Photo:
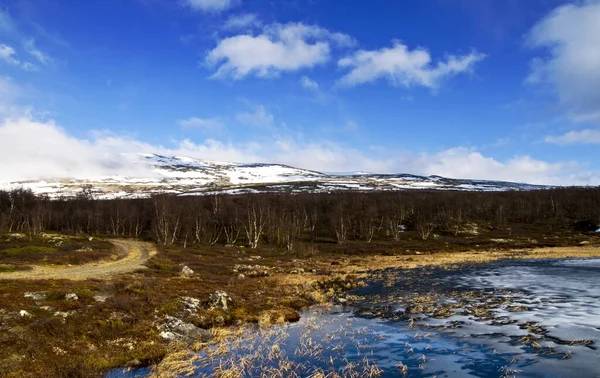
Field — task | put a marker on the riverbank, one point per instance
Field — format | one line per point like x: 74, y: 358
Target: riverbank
x: 500, y: 318
x: 332, y: 289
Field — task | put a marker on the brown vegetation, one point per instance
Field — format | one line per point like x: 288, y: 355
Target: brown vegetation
x: 19, y: 251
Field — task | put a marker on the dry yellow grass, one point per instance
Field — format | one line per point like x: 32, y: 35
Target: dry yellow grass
x: 178, y: 361
x: 371, y: 263
x: 360, y: 266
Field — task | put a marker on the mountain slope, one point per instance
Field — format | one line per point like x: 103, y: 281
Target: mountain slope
x: 187, y: 176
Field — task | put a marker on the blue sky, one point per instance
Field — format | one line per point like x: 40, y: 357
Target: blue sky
x: 493, y: 89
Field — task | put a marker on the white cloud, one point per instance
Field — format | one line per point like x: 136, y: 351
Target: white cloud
x: 259, y: 117
x: 308, y: 83
x: 587, y: 136
x: 403, y: 67
x: 213, y: 124
x: 464, y: 162
x: 211, y: 6
x: 55, y: 153
x: 10, y: 56
x: 571, y: 35
x: 278, y: 48
x: 32, y: 50
x: 12, y: 33
x: 242, y: 22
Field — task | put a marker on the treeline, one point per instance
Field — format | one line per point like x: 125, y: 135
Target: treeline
x: 284, y: 219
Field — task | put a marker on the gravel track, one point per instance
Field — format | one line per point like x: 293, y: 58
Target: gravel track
x: 132, y: 256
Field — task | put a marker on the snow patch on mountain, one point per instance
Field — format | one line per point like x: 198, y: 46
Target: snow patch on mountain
x: 188, y: 176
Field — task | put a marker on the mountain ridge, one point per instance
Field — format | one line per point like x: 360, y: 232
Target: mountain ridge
x: 188, y: 176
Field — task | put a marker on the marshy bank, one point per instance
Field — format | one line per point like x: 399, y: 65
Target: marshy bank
x: 535, y: 317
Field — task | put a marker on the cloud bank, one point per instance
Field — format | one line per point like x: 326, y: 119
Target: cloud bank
x: 54, y: 153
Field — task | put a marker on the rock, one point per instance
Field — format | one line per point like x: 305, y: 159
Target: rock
x: 258, y: 273
x: 71, y: 297
x: 176, y: 329
x: 90, y: 238
x: 297, y: 271
x: 38, y: 296
x: 168, y: 336
x: 59, y: 351
x: 220, y: 300
x: 186, y: 271
x: 62, y: 314
x: 342, y: 300
x: 100, y: 298
x: 241, y: 276
x: 47, y: 308
x: 25, y: 314
x: 190, y: 304
x: 244, y: 267
x: 85, y: 249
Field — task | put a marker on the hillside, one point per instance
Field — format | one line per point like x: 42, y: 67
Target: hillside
x: 187, y: 176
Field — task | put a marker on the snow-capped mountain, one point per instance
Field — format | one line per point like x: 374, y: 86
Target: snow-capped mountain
x: 187, y: 176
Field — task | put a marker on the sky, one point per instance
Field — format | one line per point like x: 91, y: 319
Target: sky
x: 483, y: 89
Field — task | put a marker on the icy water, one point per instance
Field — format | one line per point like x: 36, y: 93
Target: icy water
x: 512, y: 318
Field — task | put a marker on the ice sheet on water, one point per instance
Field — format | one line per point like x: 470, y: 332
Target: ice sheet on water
x: 590, y: 263
x: 563, y: 297
x: 564, y: 291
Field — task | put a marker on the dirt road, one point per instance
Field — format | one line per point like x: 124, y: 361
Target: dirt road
x: 132, y: 255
